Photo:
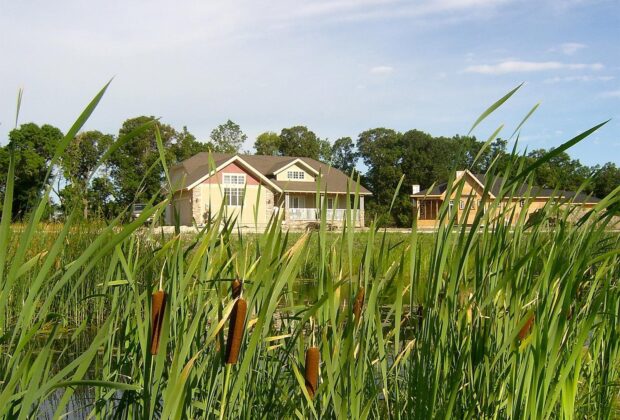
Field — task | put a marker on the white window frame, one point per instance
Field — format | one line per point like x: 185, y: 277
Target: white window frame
x: 295, y: 175
x: 234, y: 196
x: 330, y: 203
x: 521, y: 203
x: 233, y: 179
x: 297, y: 202
x: 461, y: 205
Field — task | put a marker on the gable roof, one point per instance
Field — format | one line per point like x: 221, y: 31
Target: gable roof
x: 198, y: 167
x: 521, y: 191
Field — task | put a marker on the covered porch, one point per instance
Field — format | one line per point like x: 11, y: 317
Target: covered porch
x: 428, y: 211
x: 303, y: 208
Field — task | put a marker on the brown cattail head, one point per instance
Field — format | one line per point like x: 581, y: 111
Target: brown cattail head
x: 236, y: 288
x: 236, y: 327
x: 158, y: 308
x: 525, y: 330
x: 358, y: 304
x: 312, y: 370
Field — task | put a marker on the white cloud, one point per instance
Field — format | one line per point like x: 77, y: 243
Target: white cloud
x: 382, y: 70
x: 570, y: 48
x: 582, y: 78
x: 505, y: 67
x: 611, y: 94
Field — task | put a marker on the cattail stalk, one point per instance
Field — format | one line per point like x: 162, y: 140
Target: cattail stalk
x: 312, y: 370
x: 158, y: 309
x: 358, y: 304
x: 236, y: 328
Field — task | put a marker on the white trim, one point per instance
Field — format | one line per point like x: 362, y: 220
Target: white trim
x: 466, y: 171
x: 247, y: 166
x: 298, y: 160
x: 328, y: 192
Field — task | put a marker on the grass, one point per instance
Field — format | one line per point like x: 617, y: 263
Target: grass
x: 495, y: 322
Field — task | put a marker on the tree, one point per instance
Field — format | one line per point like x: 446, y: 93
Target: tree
x: 344, y: 156
x: 560, y: 172
x: 134, y: 168
x: 32, y: 148
x: 267, y: 143
x: 426, y: 159
x: 606, y: 179
x: 101, y: 197
x: 79, y: 163
x: 227, y: 138
x: 301, y: 142
x: 381, y: 152
x: 187, y: 146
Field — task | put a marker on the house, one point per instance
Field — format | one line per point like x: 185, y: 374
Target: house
x: 428, y: 202
x: 252, y: 188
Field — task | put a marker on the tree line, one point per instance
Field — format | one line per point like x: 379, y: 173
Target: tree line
x: 132, y: 173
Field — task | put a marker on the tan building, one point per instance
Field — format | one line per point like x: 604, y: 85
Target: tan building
x: 253, y: 188
x: 427, y: 203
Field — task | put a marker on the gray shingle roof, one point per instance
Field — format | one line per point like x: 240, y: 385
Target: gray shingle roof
x: 331, y: 180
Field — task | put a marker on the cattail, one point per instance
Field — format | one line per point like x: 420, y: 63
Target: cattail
x: 236, y: 288
x: 158, y: 308
x: 358, y: 304
x: 525, y: 330
x: 236, y: 327
x: 312, y: 370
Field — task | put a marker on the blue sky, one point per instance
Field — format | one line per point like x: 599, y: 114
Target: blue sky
x: 338, y: 66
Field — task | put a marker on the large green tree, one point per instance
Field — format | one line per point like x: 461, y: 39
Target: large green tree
x: 344, y: 156
x: 137, y: 174
x: 561, y: 171
x: 78, y: 163
x: 381, y: 152
x: 186, y: 146
x: 227, y: 138
x: 32, y: 147
x: 301, y: 142
x: 606, y: 179
x: 267, y: 143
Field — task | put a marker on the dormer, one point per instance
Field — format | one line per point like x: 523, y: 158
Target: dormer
x: 296, y: 171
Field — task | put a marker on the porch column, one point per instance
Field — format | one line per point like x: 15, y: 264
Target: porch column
x: 362, y: 211
x: 286, y: 204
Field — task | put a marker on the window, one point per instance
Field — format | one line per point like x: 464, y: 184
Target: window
x: 233, y: 196
x: 295, y: 175
x: 461, y: 204
x: 450, y: 206
x: 234, y: 179
x: 521, y: 203
x: 297, y: 202
x: 330, y: 203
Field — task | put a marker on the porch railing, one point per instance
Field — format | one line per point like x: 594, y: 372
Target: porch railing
x: 314, y: 214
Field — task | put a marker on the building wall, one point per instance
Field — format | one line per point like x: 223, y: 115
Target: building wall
x: 472, y: 191
x: 514, y: 204
x: 255, y: 200
x: 181, y: 204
